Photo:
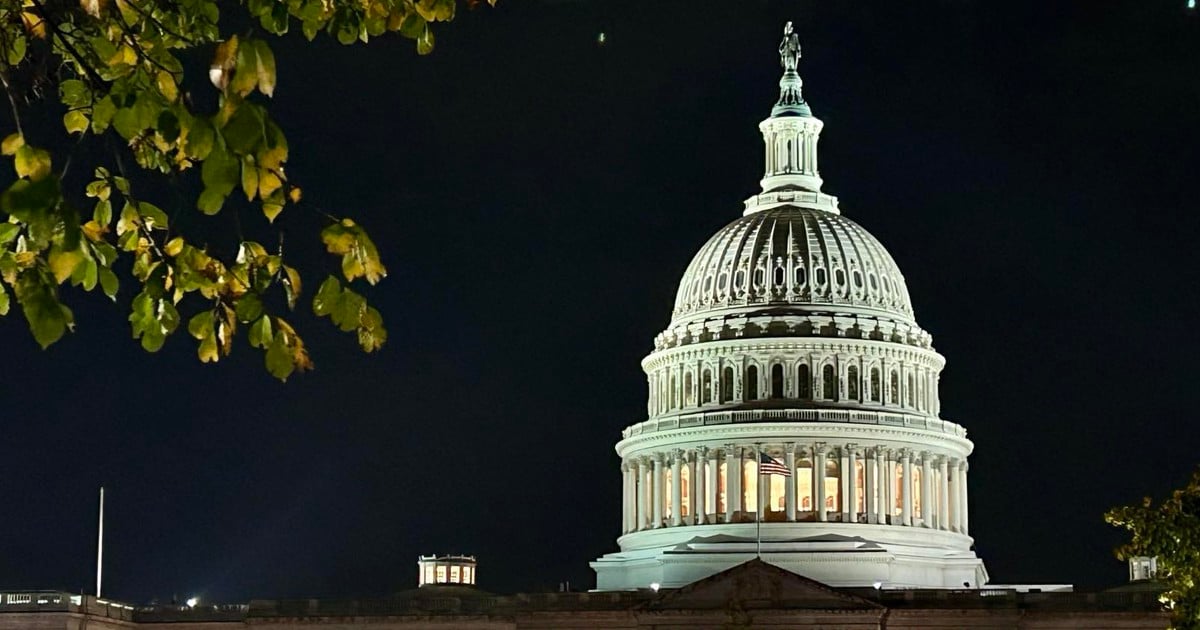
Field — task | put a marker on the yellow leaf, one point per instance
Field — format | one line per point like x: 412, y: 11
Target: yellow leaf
x: 250, y: 178
x: 32, y: 163
x: 93, y: 7
x: 124, y: 55
x: 62, y: 263
x: 34, y: 24
x: 173, y: 246
x: 294, y: 194
x: 268, y: 182
x: 166, y: 85
x: 94, y: 231
x: 272, y: 209
x: 11, y: 143
x: 223, y: 62
x: 75, y: 121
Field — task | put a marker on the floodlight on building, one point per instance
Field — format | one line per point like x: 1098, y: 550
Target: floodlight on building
x: 878, y: 585
x: 192, y: 601
x: 654, y: 586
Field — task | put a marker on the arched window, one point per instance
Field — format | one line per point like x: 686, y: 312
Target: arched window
x: 674, y: 399
x: 852, y: 382
x: 898, y: 481
x: 803, y: 479
x: 828, y: 382
x: 752, y: 382
x: 875, y: 387
x: 706, y: 387
x: 689, y: 395
x: 727, y: 384
x: 895, y: 393
x: 804, y: 382
x: 776, y: 381
x: 912, y: 385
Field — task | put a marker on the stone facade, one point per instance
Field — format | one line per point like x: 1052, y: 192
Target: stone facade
x: 754, y: 594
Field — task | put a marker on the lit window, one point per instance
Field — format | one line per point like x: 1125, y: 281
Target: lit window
x: 454, y: 575
x: 441, y: 574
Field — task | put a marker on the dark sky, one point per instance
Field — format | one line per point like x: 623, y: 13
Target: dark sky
x: 1030, y: 165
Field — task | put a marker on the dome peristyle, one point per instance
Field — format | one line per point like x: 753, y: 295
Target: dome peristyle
x: 794, y: 257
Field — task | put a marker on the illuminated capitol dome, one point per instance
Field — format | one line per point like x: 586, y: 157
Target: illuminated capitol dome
x: 793, y: 344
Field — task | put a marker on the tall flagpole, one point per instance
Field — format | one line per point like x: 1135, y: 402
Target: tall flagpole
x: 758, y: 508
x: 100, y: 545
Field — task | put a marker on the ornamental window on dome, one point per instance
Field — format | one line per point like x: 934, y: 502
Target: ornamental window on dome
x: 727, y: 384
x: 804, y: 381
x: 852, y: 382
x: 777, y: 381
x: 894, y: 397
x: 689, y: 394
x: 706, y: 387
x: 751, y: 383
x: 829, y: 384
x: 912, y: 385
x: 875, y: 388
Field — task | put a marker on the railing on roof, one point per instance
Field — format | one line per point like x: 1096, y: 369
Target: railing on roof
x: 842, y: 416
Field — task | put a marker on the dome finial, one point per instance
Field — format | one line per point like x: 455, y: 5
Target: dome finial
x: 791, y: 103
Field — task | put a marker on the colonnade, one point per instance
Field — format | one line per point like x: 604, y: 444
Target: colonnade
x: 830, y: 483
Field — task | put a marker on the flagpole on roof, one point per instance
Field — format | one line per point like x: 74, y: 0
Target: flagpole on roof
x: 758, y: 506
x: 100, y: 544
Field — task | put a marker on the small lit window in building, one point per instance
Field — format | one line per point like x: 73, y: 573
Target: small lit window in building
x: 777, y: 502
x: 898, y: 480
x: 860, y: 495
x: 455, y: 575
x: 668, y: 492
x: 685, y: 482
x: 916, y: 493
x: 750, y: 485
x: 440, y: 575
x: 833, y: 486
x: 804, y: 485
x: 722, y: 485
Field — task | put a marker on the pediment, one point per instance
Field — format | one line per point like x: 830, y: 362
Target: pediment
x: 758, y: 584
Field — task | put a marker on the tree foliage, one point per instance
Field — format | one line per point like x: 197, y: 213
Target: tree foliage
x: 1170, y: 531
x: 118, y: 72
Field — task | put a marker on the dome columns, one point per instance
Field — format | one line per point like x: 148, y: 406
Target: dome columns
x: 841, y: 483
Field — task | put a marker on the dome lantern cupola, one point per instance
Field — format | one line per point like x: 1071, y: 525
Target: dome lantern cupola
x: 790, y: 136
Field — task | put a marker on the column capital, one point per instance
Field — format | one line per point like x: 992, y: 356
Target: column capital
x: 701, y: 452
x: 790, y: 448
x: 905, y: 455
x: 658, y: 458
x: 820, y: 448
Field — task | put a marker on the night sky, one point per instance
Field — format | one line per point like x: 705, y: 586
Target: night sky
x: 1030, y: 165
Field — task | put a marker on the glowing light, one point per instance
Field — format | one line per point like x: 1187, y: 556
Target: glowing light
x: 192, y: 601
x: 1191, y: 4
x: 602, y: 38
x: 654, y: 586
x: 877, y: 585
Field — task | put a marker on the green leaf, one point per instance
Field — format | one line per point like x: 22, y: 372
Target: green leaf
x: 265, y: 67
x: 260, y: 332
x: 103, y: 113
x: 75, y: 121
x: 108, y: 282
x: 102, y: 214
x: 210, y: 201
x: 328, y: 296
x: 12, y: 142
x: 48, y: 319
x: 152, y: 216
x: 249, y: 308
x: 245, y: 75
x: 4, y: 301
x: 74, y: 93
x: 245, y: 130
x: 16, y: 51
x: 32, y: 162
x: 8, y: 233
x: 249, y: 178
x: 279, y: 359
x: 291, y: 285
x: 198, y: 141
x: 201, y: 325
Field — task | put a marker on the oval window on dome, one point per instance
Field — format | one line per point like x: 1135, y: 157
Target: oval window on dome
x: 801, y: 277
x: 839, y: 277
x: 707, y: 284
x: 887, y: 288
x: 723, y: 282
x: 778, y: 277
x: 874, y: 282
x: 857, y: 279
x: 821, y: 277
x: 760, y: 277
x: 739, y: 280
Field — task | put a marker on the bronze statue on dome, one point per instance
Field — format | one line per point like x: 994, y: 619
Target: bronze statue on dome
x: 789, y: 49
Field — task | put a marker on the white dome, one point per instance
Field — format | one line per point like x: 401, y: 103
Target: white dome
x: 790, y: 256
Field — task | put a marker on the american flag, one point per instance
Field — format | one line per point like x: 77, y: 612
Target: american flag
x: 768, y: 465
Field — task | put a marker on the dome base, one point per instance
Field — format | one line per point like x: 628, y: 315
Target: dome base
x: 840, y: 555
